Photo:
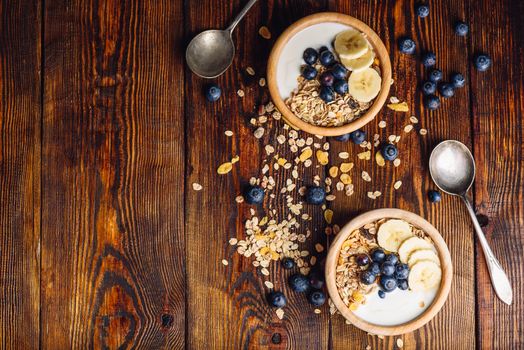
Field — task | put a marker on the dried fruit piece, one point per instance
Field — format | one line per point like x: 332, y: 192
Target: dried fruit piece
x: 322, y: 157
x: 399, y: 107
x: 306, y: 154
x: 281, y: 161
x: 225, y: 168
x: 346, y: 179
x: 328, y: 215
x: 346, y: 167
x: 197, y: 186
x: 364, y: 155
x: 333, y: 171
x: 380, y: 160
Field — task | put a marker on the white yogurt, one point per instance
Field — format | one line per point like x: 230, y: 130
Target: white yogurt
x: 399, y: 306
x: 290, y: 60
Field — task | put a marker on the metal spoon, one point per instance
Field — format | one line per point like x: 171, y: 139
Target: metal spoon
x: 453, y: 170
x: 211, y: 52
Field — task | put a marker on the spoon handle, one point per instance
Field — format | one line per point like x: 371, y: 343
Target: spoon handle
x: 499, y: 279
x: 241, y: 15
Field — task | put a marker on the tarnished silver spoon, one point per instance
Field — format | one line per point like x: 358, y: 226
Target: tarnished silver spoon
x: 452, y: 168
x: 211, y: 52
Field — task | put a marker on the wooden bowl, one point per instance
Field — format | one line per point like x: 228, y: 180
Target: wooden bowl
x: 328, y: 17
x: 445, y: 261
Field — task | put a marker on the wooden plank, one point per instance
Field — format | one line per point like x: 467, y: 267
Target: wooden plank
x: 112, y: 223
x: 391, y: 20
x: 497, y: 109
x: 20, y: 117
x: 232, y: 298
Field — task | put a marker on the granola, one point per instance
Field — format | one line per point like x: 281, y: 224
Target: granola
x: 308, y: 106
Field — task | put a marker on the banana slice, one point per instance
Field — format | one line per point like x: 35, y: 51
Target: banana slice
x: 423, y: 254
x: 361, y: 63
x: 364, y: 85
x: 351, y: 44
x: 424, y: 275
x: 392, y: 233
x: 410, y: 245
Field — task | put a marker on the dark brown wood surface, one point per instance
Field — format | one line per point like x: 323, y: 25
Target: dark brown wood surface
x: 103, y: 130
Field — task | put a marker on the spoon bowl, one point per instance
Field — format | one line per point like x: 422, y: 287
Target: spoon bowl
x: 452, y: 167
x: 210, y: 53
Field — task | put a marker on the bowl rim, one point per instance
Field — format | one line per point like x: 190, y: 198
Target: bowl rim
x: 445, y: 261
x: 374, y: 40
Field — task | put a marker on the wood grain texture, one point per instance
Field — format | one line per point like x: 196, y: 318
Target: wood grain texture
x: 103, y: 130
x: 20, y: 117
x: 112, y: 205
x: 391, y: 20
x: 497, y: 104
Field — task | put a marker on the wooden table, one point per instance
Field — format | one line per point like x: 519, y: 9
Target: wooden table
x: 103, y: 130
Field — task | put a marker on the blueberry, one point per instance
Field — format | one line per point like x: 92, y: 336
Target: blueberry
x: 362, y: 260
x: 299, y: 283
x: 213, y: 93
x: 446, y: 90
x: 315, y: 195
x: 276, y: 299
x: 358, y: 136
x: 458, y: 80
x: 387, y: 269
x: 381, y: 294
x: 339, y: 71
x: 288, y: 263
x: 434, y: 196
x: 378, y: 255
x: 482, y: 62
x: 326, y: 78
x: 327, y: 94
x: 407, y: 46
x: 402, y: 284
x: 389, y: 151
x: 401, y: 271
x: 388, y: 283
x: 309, y: 72
x: 429, y: 59
x: 374, y: 268
x: 326, y: 58
x: 340, y: 86
x: 391, y: 259
x: 316, y: 279
x: 254, y: 195
x: 367, y: 277
x: 429, y: 87
x: 431, y: 102
x: 310, y: 56
x: 343, y: 138
x: 461, y: 28
x: 435, y: 75
x: 422, y: 10
x: 322, y: 49
x: 317, y: 298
